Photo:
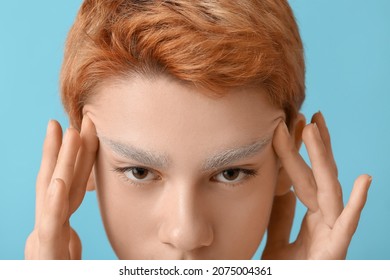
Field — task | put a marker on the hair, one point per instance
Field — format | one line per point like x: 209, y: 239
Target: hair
x: 218, y: 45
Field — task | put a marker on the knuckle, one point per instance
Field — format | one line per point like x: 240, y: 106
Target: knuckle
x: 65, y: 163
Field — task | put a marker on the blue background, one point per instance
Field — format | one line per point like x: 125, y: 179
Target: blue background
x: 348, y: 65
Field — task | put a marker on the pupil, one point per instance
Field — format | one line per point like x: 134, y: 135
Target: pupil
x: 231, y: 174
x: 140, y: 173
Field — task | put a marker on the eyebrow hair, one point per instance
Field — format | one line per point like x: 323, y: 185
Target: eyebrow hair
x: 226, y: 157
x: 216, y: 161
x: 144, y: 157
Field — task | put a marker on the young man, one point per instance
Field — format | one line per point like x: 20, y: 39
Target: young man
x: 189, y: 113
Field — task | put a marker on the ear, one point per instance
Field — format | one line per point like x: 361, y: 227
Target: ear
x: 91, y: 186
x: 295, y: 128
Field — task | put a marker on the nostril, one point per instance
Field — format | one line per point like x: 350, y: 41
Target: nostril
x: 186, y: 237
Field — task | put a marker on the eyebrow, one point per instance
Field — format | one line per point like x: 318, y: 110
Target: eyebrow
x: 229, y: 156
x: 145, y: 157
x: 161, y: 161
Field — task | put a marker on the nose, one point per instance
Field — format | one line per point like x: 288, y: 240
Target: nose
x: 185, y: 220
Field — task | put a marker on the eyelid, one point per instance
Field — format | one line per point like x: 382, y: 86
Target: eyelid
x: 122, y: 170
x: 248, y: 174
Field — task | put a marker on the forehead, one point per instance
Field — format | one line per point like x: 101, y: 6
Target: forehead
x: 160, y: 112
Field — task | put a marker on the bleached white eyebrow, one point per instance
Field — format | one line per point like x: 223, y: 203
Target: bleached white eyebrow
x: 145, y: 157
x: 161, y: 161
x: 232, y: 155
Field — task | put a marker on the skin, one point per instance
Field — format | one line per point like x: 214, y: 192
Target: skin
x: 179, y: 208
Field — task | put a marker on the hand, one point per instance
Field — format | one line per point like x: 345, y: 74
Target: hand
x: 60, y: 188
x: 328, y: 226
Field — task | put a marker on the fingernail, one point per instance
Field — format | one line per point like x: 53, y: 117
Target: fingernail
x: 285, y: 129
x: 316, y: 115
x: 316, y: 131
x: 84, y: 120
x: 321, y: 116
x: 66, y: 136
x: 49, y: 126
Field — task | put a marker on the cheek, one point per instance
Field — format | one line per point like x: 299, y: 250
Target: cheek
x: 125, y: 226
x: 246, y: 218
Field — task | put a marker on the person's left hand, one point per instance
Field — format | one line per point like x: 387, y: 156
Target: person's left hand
x: 328, y: 226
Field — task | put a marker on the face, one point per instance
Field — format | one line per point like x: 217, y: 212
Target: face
x: 182, y: 175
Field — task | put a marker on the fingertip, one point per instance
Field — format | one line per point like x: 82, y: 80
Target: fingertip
x: 86, y: 117
x: 88, y: 125
x: 72, y: 138
x: 72, y: 130
x: 52, y: 127
x: 360, y: 191
x: 321, y: 117
x: 51, y: 123
x: 282, y: 130
x: 88, y: 133
x: 367, y: 180
x: 364, y: 179
x: 85, y: 121
x: 349, y: 218
x: 315, y: 117
x: 311, y: 132
x: 52, y: 141
x: 318, y: 118
x: 281, y: 135
x: 306, y: 132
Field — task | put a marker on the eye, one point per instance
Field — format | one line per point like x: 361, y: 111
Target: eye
x: 234, y: 175
x: 137, y: 175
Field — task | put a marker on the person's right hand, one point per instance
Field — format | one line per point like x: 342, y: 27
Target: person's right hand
x: 60, y: 188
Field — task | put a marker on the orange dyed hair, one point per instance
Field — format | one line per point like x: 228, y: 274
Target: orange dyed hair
x: 213, y: 44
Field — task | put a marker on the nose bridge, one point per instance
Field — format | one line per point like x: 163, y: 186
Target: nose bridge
x: 185, y: 224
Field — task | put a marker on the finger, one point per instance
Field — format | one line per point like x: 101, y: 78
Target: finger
x: 329, y: 194
x: 51, y: 147
x: 283, y: 185
x: 347, y: 223
x: 281, y: 220
x: 67, y: 157
x: 51, y: 227
x: 74, y: 246
x: 85, y: 160
x: 299, y: 172
x: 319, y: 119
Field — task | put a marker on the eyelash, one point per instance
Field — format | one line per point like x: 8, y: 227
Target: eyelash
x: 122, y: 170
x: 247, y: 172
